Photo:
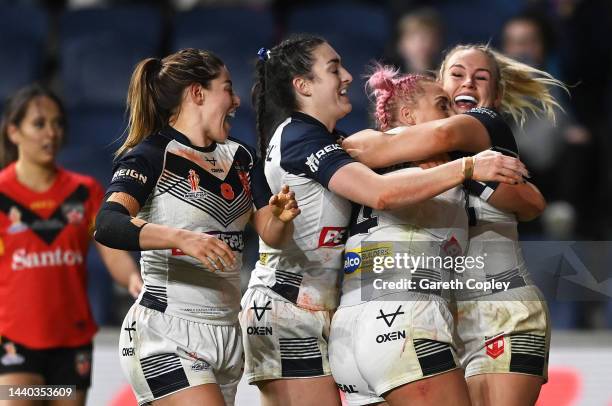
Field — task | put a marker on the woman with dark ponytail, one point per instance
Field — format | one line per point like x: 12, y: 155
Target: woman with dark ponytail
x: 300, y: 93
x: 182, y: 192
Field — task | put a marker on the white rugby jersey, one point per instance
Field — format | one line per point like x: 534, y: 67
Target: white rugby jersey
x: 493, y: 232
x: 211, y: 190
x: 434, y: 228
x: 303, y: 154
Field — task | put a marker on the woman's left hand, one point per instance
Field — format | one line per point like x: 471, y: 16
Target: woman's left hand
x: 283, y: 205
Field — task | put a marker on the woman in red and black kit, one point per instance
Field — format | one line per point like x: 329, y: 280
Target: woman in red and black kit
x: 46, y: 219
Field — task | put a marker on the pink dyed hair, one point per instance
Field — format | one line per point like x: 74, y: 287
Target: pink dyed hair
x: 385, y: 85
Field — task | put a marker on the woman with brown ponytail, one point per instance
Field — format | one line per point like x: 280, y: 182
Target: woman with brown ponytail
x: 182, y: 192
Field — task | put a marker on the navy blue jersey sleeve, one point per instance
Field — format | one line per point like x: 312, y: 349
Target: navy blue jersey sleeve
x: 259, y: 184
x: 137, y: 171
x: 313, y: 153
x: 499, y: 131
x: 502, y: 140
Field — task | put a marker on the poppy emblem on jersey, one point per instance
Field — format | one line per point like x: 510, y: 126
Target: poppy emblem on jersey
x: 495, y: 346
x: 11, y: 357
x: 227, y: 192
x: 73, y: 212
x: 83, y: 363
x: 194, y: 184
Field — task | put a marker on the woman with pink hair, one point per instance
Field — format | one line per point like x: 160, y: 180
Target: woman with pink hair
x: 391, y: 338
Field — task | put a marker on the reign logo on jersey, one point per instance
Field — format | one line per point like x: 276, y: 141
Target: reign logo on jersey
x: 24, y: 260
x: 130, y: 173
x: 313, y: 159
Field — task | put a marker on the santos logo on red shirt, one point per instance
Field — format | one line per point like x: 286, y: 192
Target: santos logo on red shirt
x: 24, y: 260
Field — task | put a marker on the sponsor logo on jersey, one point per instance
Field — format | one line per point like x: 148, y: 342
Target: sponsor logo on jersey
x: 314, y: 159
x: 42, y: 204
x: 261, y: 310
x: 130, y: 173
x: 194, y: 184
x: 73, y: 212
x: 259, y: 331
x: 235, y: 239
x: 393, y: 336
x: 332, y: 236
x: 11, y: 357
x: 495, y: 345
x: 352, y: 261
x: 390, y: 318
x: 362, y: 259
x: 347, y: 388
x: 263, y: 258
x: 130, y: 328
x: 26, y: 260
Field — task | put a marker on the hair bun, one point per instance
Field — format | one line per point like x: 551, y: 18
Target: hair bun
x: 382, y: 78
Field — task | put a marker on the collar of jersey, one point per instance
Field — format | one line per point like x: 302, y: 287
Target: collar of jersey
x: 173, y: 133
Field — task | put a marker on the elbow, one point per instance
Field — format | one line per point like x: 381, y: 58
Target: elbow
x: 533, y: 210
x: 390, y: 200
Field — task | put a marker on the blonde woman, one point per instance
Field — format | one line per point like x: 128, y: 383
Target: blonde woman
x: 503, y: 335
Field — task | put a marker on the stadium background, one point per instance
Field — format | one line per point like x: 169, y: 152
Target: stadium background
x: 86, y: 50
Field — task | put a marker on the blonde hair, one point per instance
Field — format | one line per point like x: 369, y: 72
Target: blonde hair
x: 523, y: 88
x: 156, y: 90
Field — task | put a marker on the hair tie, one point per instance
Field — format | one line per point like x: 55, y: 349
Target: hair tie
x: 264, y: 54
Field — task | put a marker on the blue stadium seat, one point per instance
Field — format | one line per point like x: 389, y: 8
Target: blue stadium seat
x: 351, y: 20
x: 207, y: 28
x: 490, y: 17
x: 93, y: 136
x: 23, y: 32
x: 99, y: 49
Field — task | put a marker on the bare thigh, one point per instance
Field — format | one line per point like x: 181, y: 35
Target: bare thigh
x: 208, y: 394
x: 317, y: 391
x: 445, y: 389
x: 21, y: 378
x: 504, y: 389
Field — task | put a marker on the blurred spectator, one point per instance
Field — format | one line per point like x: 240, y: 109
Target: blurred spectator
x: 553, y: 152
x: 418, y: 45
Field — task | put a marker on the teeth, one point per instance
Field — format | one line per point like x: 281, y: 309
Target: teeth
x: 232, y: 114
x: 343, y: 92
x: 466, y: 98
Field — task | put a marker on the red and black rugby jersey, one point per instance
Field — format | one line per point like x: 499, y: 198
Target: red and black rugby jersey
x: 44, y: 239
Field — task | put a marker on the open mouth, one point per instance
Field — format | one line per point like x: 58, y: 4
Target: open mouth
x: 465, y: 102
x: 343, y: 92
x: 229, y: 117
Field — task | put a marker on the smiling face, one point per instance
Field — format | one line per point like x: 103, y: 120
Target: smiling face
x: 219, y: 107
x: 39, y: 135
x: 470, y: 79
x: 329, y: 86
